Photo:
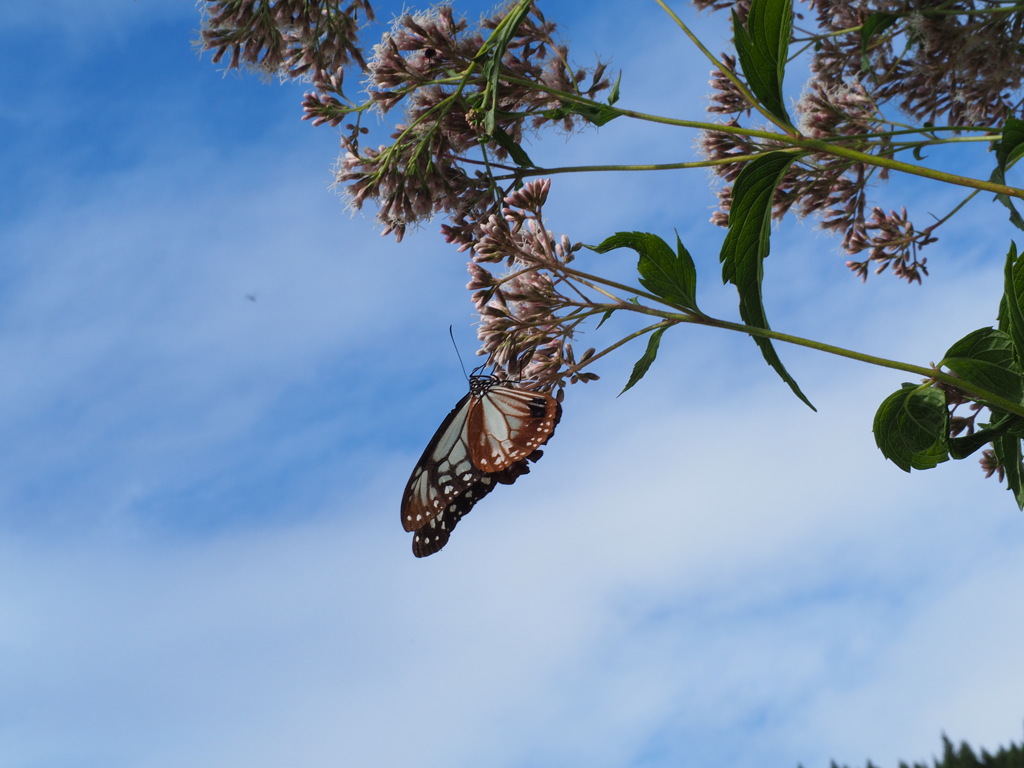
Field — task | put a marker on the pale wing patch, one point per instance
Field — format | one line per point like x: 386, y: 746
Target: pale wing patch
x: 443, y: 472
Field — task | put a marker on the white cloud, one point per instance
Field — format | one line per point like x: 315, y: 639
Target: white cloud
x: 633, y: 602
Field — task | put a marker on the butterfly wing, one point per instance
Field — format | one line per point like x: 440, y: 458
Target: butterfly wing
x: 506, y: 424
x: 443, y: 473
x: 435, y: 534
x: 489, y: 437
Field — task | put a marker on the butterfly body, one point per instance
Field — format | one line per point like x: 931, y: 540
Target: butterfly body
x: 487, y: 439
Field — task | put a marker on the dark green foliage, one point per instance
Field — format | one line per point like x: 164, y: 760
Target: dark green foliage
x: 669, y: 275
x: 1011, y: 307
x: 965, y: 757
x: 1008, y: 453
x: 986, y: 357
x: 762, y: 47
x: 491, y: 54
x: 876, y: 23
x: 598, y: 114
x: 748, y: 242
x: 644, y: 363
x: 1008, y: 150
x: 911, y: 427
x: 515, y: 151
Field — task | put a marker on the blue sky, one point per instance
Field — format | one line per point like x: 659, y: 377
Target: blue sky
x: 201, y: 561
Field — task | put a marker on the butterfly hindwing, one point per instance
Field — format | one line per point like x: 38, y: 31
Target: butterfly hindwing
x: 434, y: 535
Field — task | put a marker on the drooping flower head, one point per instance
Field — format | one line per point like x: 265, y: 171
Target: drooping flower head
x: 526, y: 329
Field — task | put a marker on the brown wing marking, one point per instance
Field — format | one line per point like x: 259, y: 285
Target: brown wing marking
x: 506, y: 424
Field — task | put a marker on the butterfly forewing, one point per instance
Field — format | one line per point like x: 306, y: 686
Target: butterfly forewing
x: 506, y: 424
x: 444, y: 471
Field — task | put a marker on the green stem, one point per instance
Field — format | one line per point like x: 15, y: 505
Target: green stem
x: 949, y: 215
x: 973, y: 12
x: 801, y: 142
x: 916, y: 170
x: 593, y: 280
x: 928, y: 373
x: 528, y: 172
x: 625, y: 340
x: 702, y: 319
x: 816, y: 145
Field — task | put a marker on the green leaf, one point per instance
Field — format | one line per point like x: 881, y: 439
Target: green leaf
x: 911, y: 427
x: 985, y: 357
x: 876, y: 23
x: 1011, y: 307
x: 598, y: 114
x: 1008, y: 453
x: 669, y: 276
x: 515, y: 151
x: 747, y: 244
x: 1008, y: 150
x: 494, y: 50
x: 604, y: 317
x: 762, y: 47
x: 962, y: 447
x: 684, y: 273
x: 1011, y: 146
x: 644, y: 363
x: 613, y: 96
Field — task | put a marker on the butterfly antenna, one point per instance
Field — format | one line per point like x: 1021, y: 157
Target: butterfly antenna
x: 450, y: 333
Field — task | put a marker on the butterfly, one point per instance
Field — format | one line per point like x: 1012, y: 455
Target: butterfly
x: 489, y: 438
